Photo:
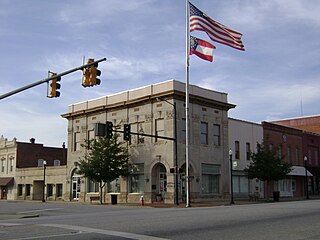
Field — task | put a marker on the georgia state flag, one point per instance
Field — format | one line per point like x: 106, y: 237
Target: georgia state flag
x: 201, y: 48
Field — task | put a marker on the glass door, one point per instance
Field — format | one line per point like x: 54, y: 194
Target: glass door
x: 75, y: 187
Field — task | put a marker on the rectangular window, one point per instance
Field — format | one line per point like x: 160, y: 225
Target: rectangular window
x: 28, y: 190
x: 76, y: 141
x: 59, y: 190
x: 136, y: 179
x: 56, y: 163
x: 297, y: 154
x: 210, y: 178
x: 49, y: 190
x: 11, y: 165
x: 309, y: 157
x: 159, y: 128
x: 137, y: 128
x: 204, y: 133
x: 114, y: 186
x: 93, y: 186
x: 237, y: 150
x: 3, y: 165
x: 248, y: 151
x: 216, y: 134
x: 294, y: 185
x: 271, y: 147
x: 91, y: 135
x: 20, y: 189
x: 280, y: 151
x: 41, y: 162
x: 240, y: 184
x: 289, y: 154
x: 183, y: 130
x: 316, y: 161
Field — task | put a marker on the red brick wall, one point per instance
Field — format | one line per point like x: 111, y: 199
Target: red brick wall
x: 29, y: 153
x: 311, y: 124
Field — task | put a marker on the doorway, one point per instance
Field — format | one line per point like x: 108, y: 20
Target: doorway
x: 159, y: 181
x: 4, y: 192
x: 76, y: 186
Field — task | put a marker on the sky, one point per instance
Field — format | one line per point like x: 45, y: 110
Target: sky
x: 277, y: 77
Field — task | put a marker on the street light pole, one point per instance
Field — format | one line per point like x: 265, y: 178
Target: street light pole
x: 305, y: 166
x: 176, y: 154
x: 176, y: 189
x: 44, y: 181
x: 231, y: 177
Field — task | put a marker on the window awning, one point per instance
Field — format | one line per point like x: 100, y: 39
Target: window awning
x: 4, y: 181
x: 299, y: 171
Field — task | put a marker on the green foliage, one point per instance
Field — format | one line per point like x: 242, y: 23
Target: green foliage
x: 106, y: 160
x: 266, y: 165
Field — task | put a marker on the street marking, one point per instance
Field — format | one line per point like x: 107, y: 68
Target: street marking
x: 11, y: 224
x: 104, y: 232
x: 49, y: 236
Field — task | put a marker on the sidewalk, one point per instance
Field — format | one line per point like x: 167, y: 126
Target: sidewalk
x: 225, y: 202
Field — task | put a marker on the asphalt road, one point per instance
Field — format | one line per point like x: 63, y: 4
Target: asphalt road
x: 281, y: 220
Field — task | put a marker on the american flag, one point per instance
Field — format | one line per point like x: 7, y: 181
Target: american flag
x: 216, y: 31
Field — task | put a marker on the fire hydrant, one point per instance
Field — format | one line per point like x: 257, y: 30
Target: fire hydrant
x: 141, y: 201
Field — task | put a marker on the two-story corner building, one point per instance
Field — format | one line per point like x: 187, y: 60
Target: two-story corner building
x: 243, y: 139
x: 150, y: 110
x: 289, y: 144
x: 22, y: 170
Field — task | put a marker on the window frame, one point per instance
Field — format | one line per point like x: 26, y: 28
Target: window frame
x: 204, y: 133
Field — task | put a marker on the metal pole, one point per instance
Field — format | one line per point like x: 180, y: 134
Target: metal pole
x: 176, y: 189
x: 49, y: 79
x: 187, y: 106
x: 44, y: 182
x: 176, y: 154
x: 305, y: 166
x: 231, y: 178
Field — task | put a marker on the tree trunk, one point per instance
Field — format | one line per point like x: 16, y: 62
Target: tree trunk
x: 101, y: 194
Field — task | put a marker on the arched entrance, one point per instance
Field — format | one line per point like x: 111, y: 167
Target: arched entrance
x: 159, y: 181
x: 75, y: 185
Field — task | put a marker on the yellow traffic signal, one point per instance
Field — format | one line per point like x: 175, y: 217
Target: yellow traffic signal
x: 90, y: 75
x: 54, y: 86
x: 86, y: 77
x: 94, y: 73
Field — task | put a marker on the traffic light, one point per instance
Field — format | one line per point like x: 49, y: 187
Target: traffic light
x: 54, y: 86
x: 109, y: 127
x: 94, y: 73
x: 86, y: 77
x: 126, y: 132
x: 90, y: 75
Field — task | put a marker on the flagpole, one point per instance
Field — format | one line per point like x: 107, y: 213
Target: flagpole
x: 187, y: 104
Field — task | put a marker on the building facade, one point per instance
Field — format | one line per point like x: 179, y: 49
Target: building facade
x: 310, y: 125
x: 22, y: 174
x: 150, y: 110
x: 288, y: 143
x: 243, y: 139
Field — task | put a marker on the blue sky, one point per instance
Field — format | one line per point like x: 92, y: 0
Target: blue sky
x: 144, y: 43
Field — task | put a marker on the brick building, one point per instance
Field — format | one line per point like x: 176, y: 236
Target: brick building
x: 310, y: 125
x: 289, y: 144
x: 22, y: 164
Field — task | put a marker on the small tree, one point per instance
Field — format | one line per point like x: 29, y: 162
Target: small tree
x: 106, y: 160
x: 267, y: 166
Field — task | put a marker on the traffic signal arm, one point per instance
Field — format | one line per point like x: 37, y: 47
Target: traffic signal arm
x: 49, y: 79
